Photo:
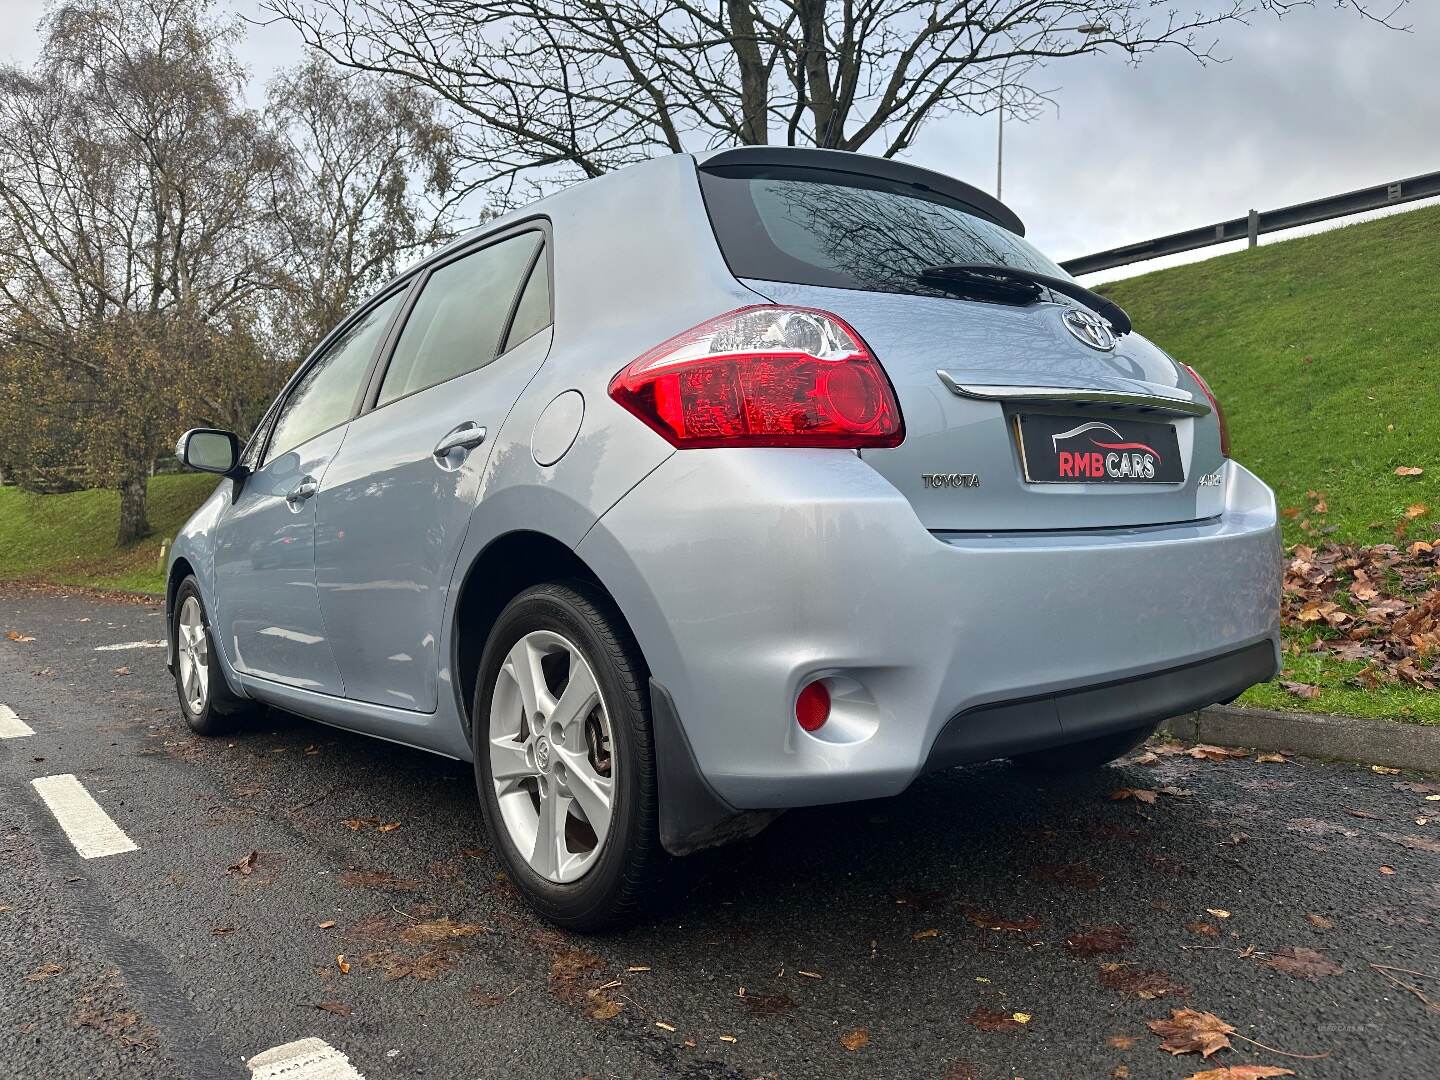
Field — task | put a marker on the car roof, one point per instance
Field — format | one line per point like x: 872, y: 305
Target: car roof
x: 845, y: 161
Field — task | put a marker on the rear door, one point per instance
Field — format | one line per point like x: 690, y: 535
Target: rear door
x: 396, y: 502
x: 996, y: 396
x: 267, y: 611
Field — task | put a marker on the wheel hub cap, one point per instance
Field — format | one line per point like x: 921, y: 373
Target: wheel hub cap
x: 551, y: 759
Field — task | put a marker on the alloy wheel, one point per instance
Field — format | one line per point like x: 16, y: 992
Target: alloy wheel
x: 193, y: 656
x: 551, y: 756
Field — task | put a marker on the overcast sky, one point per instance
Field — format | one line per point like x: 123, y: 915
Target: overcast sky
x: 1317, y: 104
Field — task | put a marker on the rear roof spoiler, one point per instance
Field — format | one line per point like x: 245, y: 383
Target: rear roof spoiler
x: 843, y: 161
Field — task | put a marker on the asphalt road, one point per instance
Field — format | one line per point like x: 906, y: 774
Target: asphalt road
x: 914, y: 929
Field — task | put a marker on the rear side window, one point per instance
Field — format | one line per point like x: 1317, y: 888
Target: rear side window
x: 846, y: 231
x: 532, y: 314
x: 325, y: 395
x: 456, y: 323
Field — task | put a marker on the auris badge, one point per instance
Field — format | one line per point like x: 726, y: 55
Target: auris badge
x: 950, y: 479
x: 1212, y: 479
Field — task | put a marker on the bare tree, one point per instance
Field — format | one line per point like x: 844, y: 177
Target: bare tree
x: 556, y: 89
x: 130, y: 183
x: 365, y: 185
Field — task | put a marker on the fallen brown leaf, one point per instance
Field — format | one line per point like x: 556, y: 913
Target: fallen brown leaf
x: 45, y: 971
x: 390, y: 827
x: 1241, y: 1072
x: 1143, y: 795
x: 1205, y: 928
x: 1304, y: 691
x: 1387, y: 870
x: 604, y: 1009
x: 1302, y: 963
x: 1121, y: 1042
x: 338, y: 1008
x: 15, y: 635
x: 1320, y: 922
x: 1190, y: 1031
x: 856, y: 1039
x: 246, y: 866
x: 327, y: 924
x: 1101, y: 939
x: 922, y: 935
x: 1206, y: 752
x: 1147, y: 985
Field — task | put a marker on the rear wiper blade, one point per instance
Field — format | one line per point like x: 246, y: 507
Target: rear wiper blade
x: 1012, y: 282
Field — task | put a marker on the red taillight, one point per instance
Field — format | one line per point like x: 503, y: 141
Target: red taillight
x: 812, y: 707
x: 764, y: 376
x: 1214, y: 404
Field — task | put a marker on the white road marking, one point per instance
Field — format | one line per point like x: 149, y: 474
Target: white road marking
x: 85, y: 823
x: 11, y: 726
x: 304, y: 1059
x: 124, y: 645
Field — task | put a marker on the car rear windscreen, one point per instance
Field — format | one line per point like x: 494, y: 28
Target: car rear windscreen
x: 848, y: 231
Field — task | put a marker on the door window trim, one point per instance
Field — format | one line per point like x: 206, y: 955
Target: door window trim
x: 538, y: 224
x: 404, y: 285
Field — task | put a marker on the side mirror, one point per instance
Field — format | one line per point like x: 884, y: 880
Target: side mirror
x: 209, y: 450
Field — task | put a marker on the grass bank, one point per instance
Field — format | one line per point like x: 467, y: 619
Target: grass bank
x: 1325, y: 353
x: 70, y: 539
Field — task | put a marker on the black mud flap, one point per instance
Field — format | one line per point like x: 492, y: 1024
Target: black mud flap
x: 692, y: 815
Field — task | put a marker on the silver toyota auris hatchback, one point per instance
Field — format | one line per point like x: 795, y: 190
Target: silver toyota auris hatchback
x: 724, y: 484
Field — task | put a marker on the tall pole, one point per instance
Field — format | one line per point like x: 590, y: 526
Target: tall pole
x: 1000, y: 145
x: 1000, y: 131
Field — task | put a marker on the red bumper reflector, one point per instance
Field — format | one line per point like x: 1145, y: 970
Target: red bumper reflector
x: 812, y: 707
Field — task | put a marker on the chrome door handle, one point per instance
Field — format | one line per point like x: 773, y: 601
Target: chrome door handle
x: 465, y: 437
x: 302, y: 491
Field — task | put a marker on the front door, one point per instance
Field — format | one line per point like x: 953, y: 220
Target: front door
x: 266, y: 610
x: 396, y: 502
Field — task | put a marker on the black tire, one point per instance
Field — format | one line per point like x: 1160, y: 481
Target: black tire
x: 611, y: 889
x: 221, y: 711
x: 1083, y: 756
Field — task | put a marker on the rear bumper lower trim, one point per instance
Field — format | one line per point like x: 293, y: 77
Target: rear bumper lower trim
x: 1004, y: 728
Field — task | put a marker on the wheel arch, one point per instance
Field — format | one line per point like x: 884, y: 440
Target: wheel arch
x: 507, y: 566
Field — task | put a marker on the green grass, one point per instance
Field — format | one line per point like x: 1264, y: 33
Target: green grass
x: 70, y: 539
x: 1325, y: 353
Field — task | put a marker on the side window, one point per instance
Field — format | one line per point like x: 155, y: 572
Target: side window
x: 326, y: 392
x: 456, y: 323
x: 532, y: 314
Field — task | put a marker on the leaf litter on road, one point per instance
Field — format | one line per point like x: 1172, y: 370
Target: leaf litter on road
x: 1099, y: 939
x: 1302, y: 963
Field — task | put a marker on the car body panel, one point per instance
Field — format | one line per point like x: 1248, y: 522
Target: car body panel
x: 391, y: 519
x: 268, y: 616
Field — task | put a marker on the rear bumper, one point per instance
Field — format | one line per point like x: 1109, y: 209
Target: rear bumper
x: 747, y: 574
x: 1006, y: 728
